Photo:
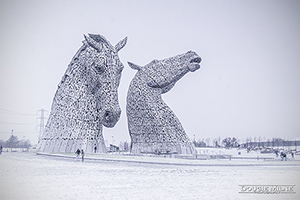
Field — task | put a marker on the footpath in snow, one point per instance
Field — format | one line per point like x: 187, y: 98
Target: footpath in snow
x: 251, y: 159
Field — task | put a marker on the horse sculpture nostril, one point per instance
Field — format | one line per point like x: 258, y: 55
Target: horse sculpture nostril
x: 196, y: 60
x: 107, y: 115
x: 110, y: 118
x: 111, y: 115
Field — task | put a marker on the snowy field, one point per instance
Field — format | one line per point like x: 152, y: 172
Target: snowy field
x: 28, y: 176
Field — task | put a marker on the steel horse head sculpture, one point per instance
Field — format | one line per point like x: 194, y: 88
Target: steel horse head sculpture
x: 153, y: 127
x: 86, y: 99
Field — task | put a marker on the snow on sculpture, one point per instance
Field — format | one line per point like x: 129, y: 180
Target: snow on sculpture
x: 86, y: 99
x: 153, y: 127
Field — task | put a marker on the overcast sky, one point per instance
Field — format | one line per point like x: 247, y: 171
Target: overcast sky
x: 248, y: 84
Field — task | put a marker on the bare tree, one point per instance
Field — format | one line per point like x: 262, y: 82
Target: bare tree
x: 207, y: 141
x: 126, y: 146
x: 259, y: 141
x: 219, y: 141
x: 230, y: 142
x: 214, y: 141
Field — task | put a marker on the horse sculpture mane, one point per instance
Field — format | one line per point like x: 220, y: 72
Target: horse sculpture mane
x: 86, y: 99
x: 153, y: 127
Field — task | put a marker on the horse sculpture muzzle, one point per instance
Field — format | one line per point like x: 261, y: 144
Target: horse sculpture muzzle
x: 111, y: 117
x: 193, y: 64
x: 110, y: 110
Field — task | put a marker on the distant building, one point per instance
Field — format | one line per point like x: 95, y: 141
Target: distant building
x: 113, y: 148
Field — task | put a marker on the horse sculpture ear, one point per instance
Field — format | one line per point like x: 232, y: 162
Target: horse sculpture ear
x: 121, y: 44
x: 134, y: 66
x: 93, y: 43
x: 98, y: 38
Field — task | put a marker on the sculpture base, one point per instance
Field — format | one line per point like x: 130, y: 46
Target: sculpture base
x: 162, y: 148
x: 69, y: 145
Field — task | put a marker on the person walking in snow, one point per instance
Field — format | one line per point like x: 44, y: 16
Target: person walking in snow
x: 276, y: 152
x: 1, y: 148
x: 82, y: 155
x: 77, y: 152
x: 283, y: 156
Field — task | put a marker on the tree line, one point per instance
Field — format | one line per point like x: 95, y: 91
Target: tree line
x: 14, y: 142
x: 233, y: 142
x: 227, y: 142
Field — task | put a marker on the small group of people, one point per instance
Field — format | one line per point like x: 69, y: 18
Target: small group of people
x: 78, y: 152
x: 283, y: 154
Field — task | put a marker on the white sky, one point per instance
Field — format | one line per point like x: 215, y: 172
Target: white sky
x: 248, y: 84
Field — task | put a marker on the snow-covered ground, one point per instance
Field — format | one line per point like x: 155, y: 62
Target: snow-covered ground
x: 29, y: 176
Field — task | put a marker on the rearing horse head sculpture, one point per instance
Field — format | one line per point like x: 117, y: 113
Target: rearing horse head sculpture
x: 152, y: 125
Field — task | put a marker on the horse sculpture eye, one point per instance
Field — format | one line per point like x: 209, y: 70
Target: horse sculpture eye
x: 120, y: 70
x: 102, y: 59
x: 100, y: 69
x: 100, y: 65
